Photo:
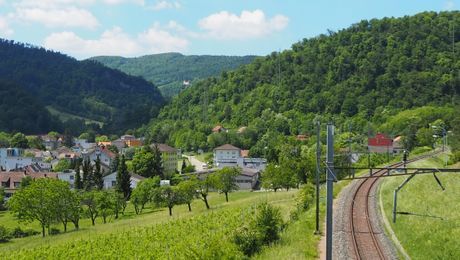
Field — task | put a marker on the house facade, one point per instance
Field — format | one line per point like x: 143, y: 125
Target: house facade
x: 228, y: 155
x: 110, y: 180
x: 11, y: 181
x: 170, y: 157
x: 13, y: 158
x: 380, y: 144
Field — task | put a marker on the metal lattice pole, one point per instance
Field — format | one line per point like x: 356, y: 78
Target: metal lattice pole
x: 330, y: 179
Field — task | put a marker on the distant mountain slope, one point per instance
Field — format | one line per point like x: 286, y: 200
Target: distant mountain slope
x: 358, y: 75
x: 82, y: 88
x: 169, y: 70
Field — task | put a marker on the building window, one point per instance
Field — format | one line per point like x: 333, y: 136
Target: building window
x: 114, y: 183
x: 71, y: 177
x: 17, y: 184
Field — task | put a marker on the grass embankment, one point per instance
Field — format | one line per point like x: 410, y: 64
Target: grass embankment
x: 432, y: 229
x: 120, y: 232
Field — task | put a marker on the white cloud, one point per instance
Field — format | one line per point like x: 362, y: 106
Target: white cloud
x: 225, y: 25
x: 54, y: 17
x: 5, y: 29
x: 449, y: 5
x: 116, y: 2
x: 117, y: 42
x: 160, y: 5
x: 47, y: 4
x: 157, y: 40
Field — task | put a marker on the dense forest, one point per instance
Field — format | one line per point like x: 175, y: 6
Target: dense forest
x: 20, y: 111
x: 358, y: 78
x: 168, y: 70
x: 81, y: 88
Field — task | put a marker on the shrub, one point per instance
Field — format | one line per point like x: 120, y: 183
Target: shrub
x: 54, y: 231
x: 4, y: 235
x: 306, y: 196
x: 19, y: 233
x: 247, y: 240
x: 268, y: 223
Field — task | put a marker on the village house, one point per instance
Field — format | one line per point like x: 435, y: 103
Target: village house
x: 110, y: 180
x: 13, y: 158
x: 51, y: 142
x: 228, y: 155
x: 380, y: 144
x: 11, y: 181
x: 105, y: 156
x: 170, y: 157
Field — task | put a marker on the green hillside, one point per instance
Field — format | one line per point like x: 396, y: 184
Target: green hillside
x: 169, y: 70
x: 80, y: 88
x: 358, y: 76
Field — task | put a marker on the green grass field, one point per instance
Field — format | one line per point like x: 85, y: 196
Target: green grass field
x: 63, y: 116
x: 432, y: 229
x: 151, y: 217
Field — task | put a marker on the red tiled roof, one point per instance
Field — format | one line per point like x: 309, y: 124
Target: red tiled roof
x: 380, y: 140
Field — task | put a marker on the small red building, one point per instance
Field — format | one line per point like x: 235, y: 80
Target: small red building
x: 380, y: 144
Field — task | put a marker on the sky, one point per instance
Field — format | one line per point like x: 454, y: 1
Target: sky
x: 131, y: 28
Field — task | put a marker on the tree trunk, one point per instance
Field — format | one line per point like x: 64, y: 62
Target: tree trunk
x: 226, y: 196
x: 275, y: 189
x: 206, y: 202
x: 104, y: 218
x: 170, y: 211
x: 64, y: 223
x: 93, y: 220
x: 43, y: 230
x: 189, y: 207
x: 76, y: 224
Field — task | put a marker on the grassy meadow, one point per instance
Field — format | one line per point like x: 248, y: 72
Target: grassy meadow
x: 154, y: 233
x: 432, y: 228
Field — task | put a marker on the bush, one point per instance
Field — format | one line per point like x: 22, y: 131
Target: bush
x: 306, y: 196
x: 263, y: 229
x: 54, y: 231
x: 4, y: 235
x: 247, y: 240
x: 268, y: 223
x: 19, y: 233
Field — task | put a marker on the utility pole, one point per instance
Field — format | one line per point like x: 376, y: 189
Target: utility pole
x: 330, y: 179
x: 318, y: 171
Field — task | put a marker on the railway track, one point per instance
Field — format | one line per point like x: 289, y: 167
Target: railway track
x: 365, y: 243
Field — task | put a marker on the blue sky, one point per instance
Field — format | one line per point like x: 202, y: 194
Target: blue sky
x: 130, y: 28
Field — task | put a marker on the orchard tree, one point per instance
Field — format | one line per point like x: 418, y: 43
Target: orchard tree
x: 203, y: 187
x: 144, y: 193
x: 271, y: 177
x: 37, y: 202
x: 119, y: 202
x: 68, y: 205
x: 105, y: 204
x: 187, y: 192
x: 123, y: 180
x: 167, y: 196
x: 225, y: 180
x: 90, y: 203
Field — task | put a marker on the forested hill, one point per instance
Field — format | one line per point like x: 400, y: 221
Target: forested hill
x: 76, y: 91
x: 168, y: 70
x: 361, y: 74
